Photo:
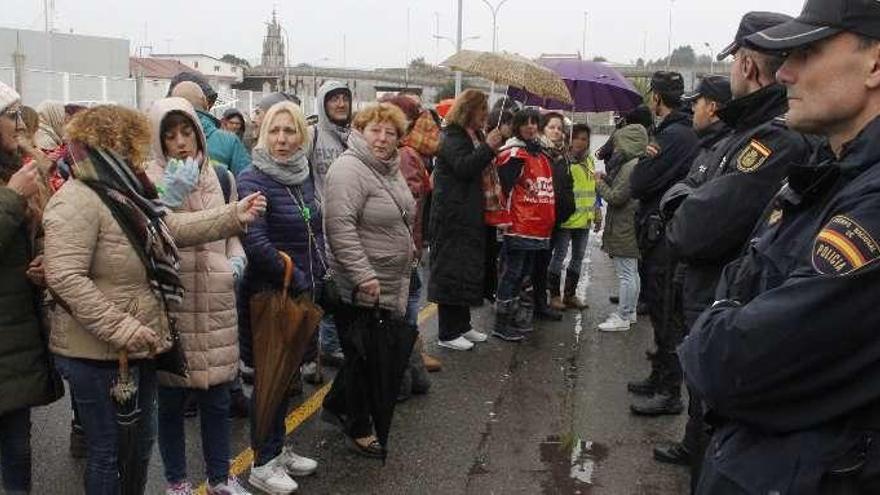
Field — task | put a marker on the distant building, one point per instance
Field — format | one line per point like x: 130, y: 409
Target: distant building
x: 273, y: 45
x: 221, y: 75
x: 154, y: 75
x: 69, y: 67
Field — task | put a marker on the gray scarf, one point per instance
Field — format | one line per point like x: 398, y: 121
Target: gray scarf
x: 358, y: 146
x: 291, y: 172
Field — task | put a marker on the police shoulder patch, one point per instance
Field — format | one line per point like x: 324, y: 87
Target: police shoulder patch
x: 843, y: 246
x: 752, y: 156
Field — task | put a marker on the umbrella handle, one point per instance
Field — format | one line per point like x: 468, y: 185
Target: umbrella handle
x: 123, y: 363
x: 288, y: 269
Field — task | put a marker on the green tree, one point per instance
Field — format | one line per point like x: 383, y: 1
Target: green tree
x: 234, y: 60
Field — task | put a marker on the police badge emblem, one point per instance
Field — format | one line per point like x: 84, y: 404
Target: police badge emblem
x: 752, y: 157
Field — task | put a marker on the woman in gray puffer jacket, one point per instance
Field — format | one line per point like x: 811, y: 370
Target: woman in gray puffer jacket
x: 368, y: 213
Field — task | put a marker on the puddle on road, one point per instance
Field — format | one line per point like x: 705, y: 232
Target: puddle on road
x: 572, y: 463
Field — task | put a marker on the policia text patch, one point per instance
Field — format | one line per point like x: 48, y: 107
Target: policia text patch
x: 843, y: 247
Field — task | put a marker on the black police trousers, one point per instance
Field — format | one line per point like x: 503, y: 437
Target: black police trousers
x: 662, y: 291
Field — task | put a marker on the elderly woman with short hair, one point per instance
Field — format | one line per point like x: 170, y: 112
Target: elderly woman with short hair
x: 368, y: 219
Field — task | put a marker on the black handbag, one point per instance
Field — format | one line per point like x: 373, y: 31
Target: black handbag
x: 327, y: 296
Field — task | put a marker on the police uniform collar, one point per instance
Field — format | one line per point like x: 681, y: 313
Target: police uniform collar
x: 712, y: 133
x: 862, y: 152
x: 756, y: 108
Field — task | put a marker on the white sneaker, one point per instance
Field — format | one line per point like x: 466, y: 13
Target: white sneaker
x: 181, y: 488
x: 231, y: 487
x: 475, y: 336
x: 614, y: 323
x: 272, y: 478
x: 295, y: 464
x: 459, y: 344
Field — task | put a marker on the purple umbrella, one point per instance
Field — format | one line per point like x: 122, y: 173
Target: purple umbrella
x: 594, y: 86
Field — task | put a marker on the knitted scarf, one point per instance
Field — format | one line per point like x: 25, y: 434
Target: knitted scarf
x: 134, y: 203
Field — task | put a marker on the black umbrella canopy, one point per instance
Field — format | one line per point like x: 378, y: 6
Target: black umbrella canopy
x: 125, y: 393
x: 383, y: 344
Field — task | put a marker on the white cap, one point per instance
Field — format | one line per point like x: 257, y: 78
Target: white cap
x: 8, y: 96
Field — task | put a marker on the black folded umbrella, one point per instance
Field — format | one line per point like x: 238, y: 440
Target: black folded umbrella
x: 383, y: 344
x: 132, y: 470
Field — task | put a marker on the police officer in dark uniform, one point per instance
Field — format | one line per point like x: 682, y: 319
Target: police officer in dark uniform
x: 788, y: 359
x: 669, y: 157
x: 711, y: 226
x: 711, y: 95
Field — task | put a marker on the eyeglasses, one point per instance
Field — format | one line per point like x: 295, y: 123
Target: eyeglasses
x: 14, y: 114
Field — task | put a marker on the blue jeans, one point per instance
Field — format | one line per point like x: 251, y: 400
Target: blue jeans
x: 214, y: 427
x: 415, y: 295
x: 15, y: 451
x: 562, y: 238
x: 328, y: 336
x: 91, y: 382
x: 516, y: 265
x: 628, y: 275
x: 274, y: 443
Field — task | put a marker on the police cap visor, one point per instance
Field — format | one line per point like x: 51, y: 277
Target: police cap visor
x: 821, y: 19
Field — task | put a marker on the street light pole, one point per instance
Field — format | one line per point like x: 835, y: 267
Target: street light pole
x: 669, y: 37
x: 458, y: 49
x: 494, y: 10
x: 711, y: 58
x: 584, y: 41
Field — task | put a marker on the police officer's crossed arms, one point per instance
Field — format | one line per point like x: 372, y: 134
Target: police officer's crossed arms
x: 788, y: 359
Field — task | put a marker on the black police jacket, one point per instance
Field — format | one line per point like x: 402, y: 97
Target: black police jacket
x: 788, y: 359
x: 739, y: 178
x: 652, y: 176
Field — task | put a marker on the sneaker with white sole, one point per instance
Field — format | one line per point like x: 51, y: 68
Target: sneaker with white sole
x: 231, y: 487
x: 475, y: 336
x: 634, y: 318
x: 458, y: 344
x: 179, y: 488
x: 295, y: 464
x: 614, y: 323
x: 272, y: 478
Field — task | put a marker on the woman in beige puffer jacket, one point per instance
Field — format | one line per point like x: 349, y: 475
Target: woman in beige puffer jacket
x: 207, y: 319
x: 106, y: 303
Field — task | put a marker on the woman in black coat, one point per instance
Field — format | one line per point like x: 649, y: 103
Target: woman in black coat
x: 456, y: 225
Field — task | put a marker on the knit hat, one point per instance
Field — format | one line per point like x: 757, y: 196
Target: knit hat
x: 192, y: 93
x: 8, y: 96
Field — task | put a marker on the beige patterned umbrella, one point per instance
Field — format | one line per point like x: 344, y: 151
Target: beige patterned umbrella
x: 512, y: 70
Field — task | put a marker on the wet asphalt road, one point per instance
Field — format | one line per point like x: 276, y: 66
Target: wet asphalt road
x: 500, y: 419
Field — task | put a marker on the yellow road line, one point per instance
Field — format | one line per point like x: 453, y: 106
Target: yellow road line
x: 300, y: 415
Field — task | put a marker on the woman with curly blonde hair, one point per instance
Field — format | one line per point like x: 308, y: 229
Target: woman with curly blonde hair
x: 112, y: 265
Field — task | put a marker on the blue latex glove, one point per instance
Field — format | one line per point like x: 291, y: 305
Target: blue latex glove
x: 178, y: 181
x: 238, y: 265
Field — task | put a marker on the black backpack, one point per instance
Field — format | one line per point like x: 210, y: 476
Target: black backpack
x: 225, y: 178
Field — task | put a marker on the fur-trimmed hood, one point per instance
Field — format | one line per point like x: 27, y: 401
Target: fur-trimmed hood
x: 114, y: 127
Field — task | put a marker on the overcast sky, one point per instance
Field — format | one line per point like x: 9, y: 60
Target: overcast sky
x: 375, y: 31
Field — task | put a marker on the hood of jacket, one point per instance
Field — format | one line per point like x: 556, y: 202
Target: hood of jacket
x: 676, y: 117
x: 157, y: 113
x: 630, y: 141
x: 756, y: 108
x: 321, y: 100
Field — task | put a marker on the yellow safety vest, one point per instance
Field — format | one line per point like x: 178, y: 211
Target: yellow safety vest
x: 584, y: 194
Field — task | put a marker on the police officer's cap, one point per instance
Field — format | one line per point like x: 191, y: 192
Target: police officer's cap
x: 750, y: 24
x: 822, y: 19
x: 715, y: 88
x: 666, y: 82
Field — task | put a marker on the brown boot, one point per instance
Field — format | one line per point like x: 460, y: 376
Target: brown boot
x: 432, y: 364
x: 571, y: 300
x: 553, y: 281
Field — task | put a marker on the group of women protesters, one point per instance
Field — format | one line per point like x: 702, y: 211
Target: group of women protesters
x: 532, y: 184
x: 125, y: 244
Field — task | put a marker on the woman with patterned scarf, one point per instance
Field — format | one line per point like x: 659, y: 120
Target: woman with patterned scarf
x: 112, y: 264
